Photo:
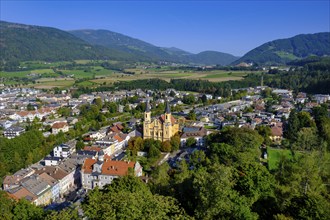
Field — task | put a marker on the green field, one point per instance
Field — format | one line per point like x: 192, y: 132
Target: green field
x: 274, y: 156
x: 92, y: 73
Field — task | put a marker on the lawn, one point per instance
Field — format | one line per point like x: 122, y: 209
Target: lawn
x: 274, y: 156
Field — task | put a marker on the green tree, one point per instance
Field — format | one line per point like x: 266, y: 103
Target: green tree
x: 153, y: 152
x: 130, y: 198
x: 265, y: 132
x: 166, y: 146
x: 175, y: 142
x: 25, y: 210
x: 189, y: 99
x: 307, y: 139
x: 80, y: 145
x: 190, y: 142
x: 66, y: 214
x: 191, y: 115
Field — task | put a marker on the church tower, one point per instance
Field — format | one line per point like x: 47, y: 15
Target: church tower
x: 167, y: 133
x: 147, y: 122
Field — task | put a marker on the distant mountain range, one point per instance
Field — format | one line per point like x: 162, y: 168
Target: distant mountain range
x: 140, y: 48
x: 285, y: 50
x: 21, y: 42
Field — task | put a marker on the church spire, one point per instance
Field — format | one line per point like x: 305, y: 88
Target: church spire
x: 147, y: 106
x: 168, y: 108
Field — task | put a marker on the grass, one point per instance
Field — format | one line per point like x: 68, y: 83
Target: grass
x: 52, y: 84
x: 97, y: 74
x: 20, y: 74
x: 274, y: 156
x: 86, y: 83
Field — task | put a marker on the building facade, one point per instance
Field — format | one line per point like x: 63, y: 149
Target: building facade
x: 161, y: 128
x: 102, y: 171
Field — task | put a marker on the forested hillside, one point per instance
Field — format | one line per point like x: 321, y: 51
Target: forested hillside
x: 19, y: 42
x: 150, y: 52
x: 286, y: 50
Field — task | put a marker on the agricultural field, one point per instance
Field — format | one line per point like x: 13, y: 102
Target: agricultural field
x: 88, y: 73
x: 47, y: 83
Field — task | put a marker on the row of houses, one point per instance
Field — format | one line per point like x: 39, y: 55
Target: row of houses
x: 44, y: 185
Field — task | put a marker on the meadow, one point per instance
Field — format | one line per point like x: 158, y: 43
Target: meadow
x: 95, y: 74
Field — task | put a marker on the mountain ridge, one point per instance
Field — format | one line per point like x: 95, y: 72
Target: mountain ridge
x: 115, y: 40
x: 282, y: 51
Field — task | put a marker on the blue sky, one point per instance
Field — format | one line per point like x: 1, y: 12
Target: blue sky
x: 228, y: 26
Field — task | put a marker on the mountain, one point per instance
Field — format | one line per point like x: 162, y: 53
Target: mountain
x: 212, y: 57
x: 122, y: 42
x: 22, y: 42
x: 286, y: 50
x: 143, y: 49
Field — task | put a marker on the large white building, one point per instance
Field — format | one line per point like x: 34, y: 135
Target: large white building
x: 100, y: 172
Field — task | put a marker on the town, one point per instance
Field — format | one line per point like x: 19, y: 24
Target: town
x: 115, y: 133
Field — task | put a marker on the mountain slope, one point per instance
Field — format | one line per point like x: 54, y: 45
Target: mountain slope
x: 122, y: 42
x: 20, y: 42
x: 140, y: 48
x: 285, y: 50
x: 28, y: 42
x: 212, y: 57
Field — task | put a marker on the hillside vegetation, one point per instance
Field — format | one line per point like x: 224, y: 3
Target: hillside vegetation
x: 286, y: 50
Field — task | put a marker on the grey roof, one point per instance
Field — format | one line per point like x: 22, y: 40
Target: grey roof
x: 36, y: 185
x: 15, y: 129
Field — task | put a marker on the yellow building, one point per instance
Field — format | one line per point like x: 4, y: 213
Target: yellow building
x: 161, y: 128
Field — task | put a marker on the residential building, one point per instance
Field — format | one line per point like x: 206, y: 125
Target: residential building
x: 101, y: 171
x: 14, y: 180
x: 40, y: 188
x: 21, y: 192
x: 13, y: 131
x: 55, y: 184
x: 65, y: 179
x: 60, y: 126
x: 63, y: 150
x: 198, y: 133
x: 276, y: 133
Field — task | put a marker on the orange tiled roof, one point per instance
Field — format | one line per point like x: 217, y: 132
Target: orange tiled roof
x: 118, y: 138
x: 116, y: 168
x: 58, y: 125
x: 87, y: 148
x: 22, y: 192
x: 109, y: 167
x: 114, y: 129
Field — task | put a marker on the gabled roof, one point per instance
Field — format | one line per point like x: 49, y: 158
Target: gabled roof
x: 109, y: 167
x: 194, y: 132
x: 58, y: 125
x: 21, y: 192
x: 55, y: 172
x: 276, y: 131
